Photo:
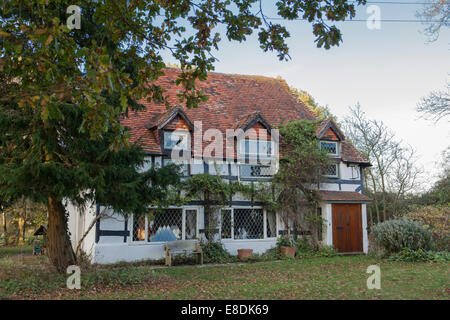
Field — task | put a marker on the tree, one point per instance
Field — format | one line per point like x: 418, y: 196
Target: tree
x: 436, y: 15
x: 394, y: 172
x: 322, y: 112
x: 293, y: 190
x: 76, y: 168
x: 64, y: 90
x: 436, y: 105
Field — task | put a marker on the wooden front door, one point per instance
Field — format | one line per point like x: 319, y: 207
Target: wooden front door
x: 347, y: 227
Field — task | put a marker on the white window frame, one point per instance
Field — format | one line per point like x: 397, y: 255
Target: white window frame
x: 265, y: 237
x: 242, y: 151
x: 332, y: 142
x: 183, y: 228
x: 168, y: 134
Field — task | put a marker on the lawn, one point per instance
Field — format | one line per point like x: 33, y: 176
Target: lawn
x: 24, y: 276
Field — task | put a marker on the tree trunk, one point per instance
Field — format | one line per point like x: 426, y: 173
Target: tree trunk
x: 375, y: 196
x: 5, y: 228
x: 59, y: 248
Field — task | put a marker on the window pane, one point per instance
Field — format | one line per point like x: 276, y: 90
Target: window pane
x: 256, y: 171
x: 265, y: 148
x: 139, y: 228
x: 174, y: 140
x: 165, y: 225
x: 226, y: 224
x: 191, y: 224
x: 330, y: 147
x: 331, y: 170
x: 271, y: 224
x: 248, y: 224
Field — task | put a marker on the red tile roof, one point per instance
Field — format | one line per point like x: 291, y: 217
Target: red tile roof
x: 234, y: 100
x: 343, y: 196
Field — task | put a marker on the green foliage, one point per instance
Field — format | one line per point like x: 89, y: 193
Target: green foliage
x: 304, y: 249
x: 105, y: 66
x: 285, y: 241
x: 394, y: 235
x: 419, y: 255
x: 214, y: 252
x: 292, y: 189
x: 215, y: 192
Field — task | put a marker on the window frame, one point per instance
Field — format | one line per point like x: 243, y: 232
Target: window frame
x: 336, y: 143
x: 183, y: 229
x: 167, y: 134
x: 242, y: 150
x: 250, y: 176
x: 337, y: 172
x: 265, y: 237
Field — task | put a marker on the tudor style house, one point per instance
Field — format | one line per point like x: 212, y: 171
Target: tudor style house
x: 253, y: 104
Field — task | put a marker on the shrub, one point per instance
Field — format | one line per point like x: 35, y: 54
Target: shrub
x: 285, y: 241
x: 305, y: 249
x: 272, y: 254
x: 214, y: 252
x: 326, y: 251
x: 437, y: 220
x: 394, y: 235
x: 420, y: 255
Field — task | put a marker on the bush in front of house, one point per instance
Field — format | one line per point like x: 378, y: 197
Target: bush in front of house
x: 394, y: 235
x: 214, y: 252
x: 304, y: 249
x: 420, y: 255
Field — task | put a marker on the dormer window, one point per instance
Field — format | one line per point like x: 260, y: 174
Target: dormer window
x: 178, y: 140
x: 256, y: 148
x: 331, y: 147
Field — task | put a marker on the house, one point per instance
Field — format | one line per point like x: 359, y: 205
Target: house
x: 255, y: 105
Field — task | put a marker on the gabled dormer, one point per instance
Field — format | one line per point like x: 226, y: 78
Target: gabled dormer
x: 330, y: 139
x: 174, y: 129
x: 256, y: 140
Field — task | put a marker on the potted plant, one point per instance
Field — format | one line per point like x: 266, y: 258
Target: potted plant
x: 244, y: 253
x: 287, y: 246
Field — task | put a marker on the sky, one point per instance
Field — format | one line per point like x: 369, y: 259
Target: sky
x: 387, y: 71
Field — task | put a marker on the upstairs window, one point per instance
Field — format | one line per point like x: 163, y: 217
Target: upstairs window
x: 331, y: 171
x: 331, y: 147
x: 256, y: 148
x: 176, y: 140
x: 255, y: 171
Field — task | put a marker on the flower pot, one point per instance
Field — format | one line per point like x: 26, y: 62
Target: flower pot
x: 287, y: 251
x: 244, y: 253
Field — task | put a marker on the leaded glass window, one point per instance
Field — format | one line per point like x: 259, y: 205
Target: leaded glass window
x: 248, y: 224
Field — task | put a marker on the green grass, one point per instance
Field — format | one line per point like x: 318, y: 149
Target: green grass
x: 343, y: 277
x: 10, y: 251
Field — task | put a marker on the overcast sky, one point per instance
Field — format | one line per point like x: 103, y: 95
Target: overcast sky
x: 387, y: 71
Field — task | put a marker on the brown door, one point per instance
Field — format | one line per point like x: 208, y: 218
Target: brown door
x: 347, y: 227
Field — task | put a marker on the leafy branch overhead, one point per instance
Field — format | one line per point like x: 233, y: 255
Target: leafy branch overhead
x: 105, y: 67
